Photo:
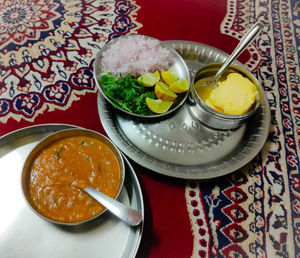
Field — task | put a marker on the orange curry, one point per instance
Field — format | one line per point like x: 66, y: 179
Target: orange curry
x: 56, y: 171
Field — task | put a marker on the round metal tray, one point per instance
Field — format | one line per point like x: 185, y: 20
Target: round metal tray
x: 181, y: 146
x: 23, y: 234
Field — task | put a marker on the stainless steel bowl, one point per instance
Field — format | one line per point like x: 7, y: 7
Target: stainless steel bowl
x: 26, y: 172
x: 180, y: 68
x: 212, y: 117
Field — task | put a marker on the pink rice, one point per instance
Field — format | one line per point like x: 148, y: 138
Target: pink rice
x: 136, y: 55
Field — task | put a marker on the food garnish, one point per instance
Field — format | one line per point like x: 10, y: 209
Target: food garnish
x: 149, y: 79
x: 179, y: 86
x: 169, y: 76
x: 136, y: 55
x: 158, y: 106
x: 132, y: 66
x: 130, y: 93
x: 127, y: 93
x: 163, y: 92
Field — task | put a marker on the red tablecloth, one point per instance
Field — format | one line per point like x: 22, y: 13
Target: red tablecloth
x: 252, y: 212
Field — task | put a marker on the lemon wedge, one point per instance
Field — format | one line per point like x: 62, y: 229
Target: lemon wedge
x: 179, y: 86
x: 149, y: 79
x: 158, y: 106
x: 169, y: 76
x: 163, y: 92
x: 157, y: 76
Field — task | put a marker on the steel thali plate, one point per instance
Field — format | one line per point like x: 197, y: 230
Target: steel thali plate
x: 23, y: 234
x: 180, y: 145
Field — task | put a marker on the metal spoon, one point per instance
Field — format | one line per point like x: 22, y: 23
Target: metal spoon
x: 130, y: 216
x: 244, y: 43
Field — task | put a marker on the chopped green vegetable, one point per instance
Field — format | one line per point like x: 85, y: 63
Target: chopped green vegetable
x: 127, y: 93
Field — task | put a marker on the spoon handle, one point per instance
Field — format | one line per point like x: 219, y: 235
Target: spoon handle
x: 130, y: 216
x: 244, y: 43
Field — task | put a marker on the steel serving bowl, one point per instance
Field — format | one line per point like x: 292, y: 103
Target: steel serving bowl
x: 26, y: 172
x: 212, y: 117
x: 179, y: 65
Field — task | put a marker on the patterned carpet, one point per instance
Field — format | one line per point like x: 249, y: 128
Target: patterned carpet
x: 47, y: 48
x: 46, y: 57
x: 255, y: 211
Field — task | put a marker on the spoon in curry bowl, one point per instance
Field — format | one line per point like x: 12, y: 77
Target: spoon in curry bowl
x: 128, y: 215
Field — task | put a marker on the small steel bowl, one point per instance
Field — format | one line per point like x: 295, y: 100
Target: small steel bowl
x: 180, y: 68
x: 26, y: 172
x: 212, y: 117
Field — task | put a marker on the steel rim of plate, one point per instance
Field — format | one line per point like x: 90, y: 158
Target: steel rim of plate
x: 35, y: 133
x: 192, y: 52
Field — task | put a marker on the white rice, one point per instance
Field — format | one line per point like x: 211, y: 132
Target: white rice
x: 136, y: 55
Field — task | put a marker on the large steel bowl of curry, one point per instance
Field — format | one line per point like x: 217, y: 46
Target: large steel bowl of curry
x: 62, y: 161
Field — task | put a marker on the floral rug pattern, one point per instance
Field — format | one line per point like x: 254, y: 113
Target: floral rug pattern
x: 46, y: 56
x: 47, y: 48
x: 255, y: 212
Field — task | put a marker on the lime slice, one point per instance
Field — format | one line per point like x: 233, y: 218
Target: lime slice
x: 169, y: 77
x: 157, y: 76
x: 172, y: 69
x: 163, y: 92
x: 148, y: 79
x: 179, y: 86
x: 158, y: 106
